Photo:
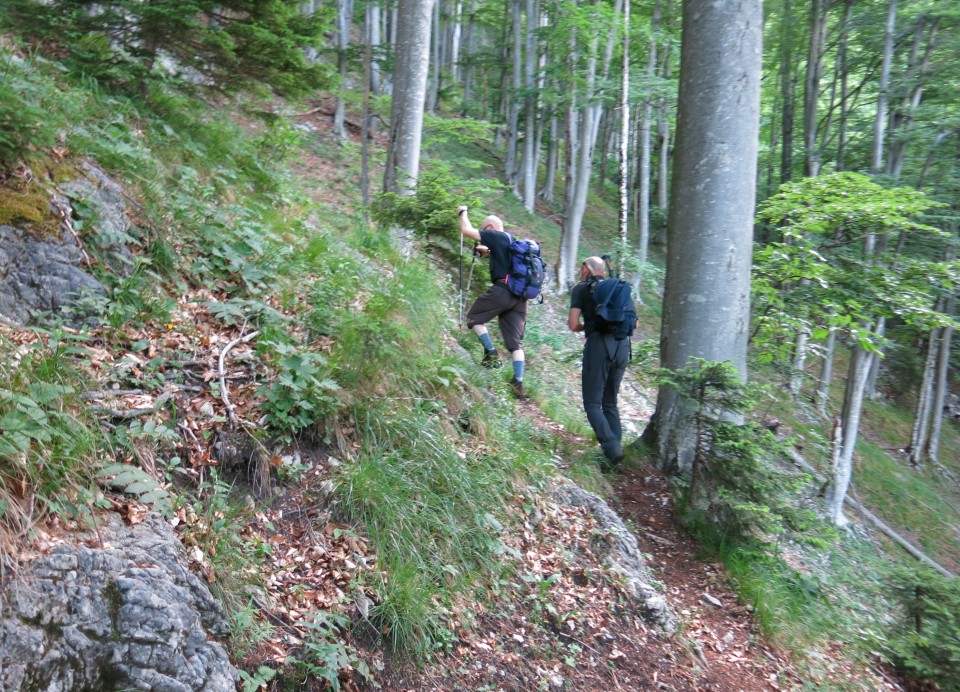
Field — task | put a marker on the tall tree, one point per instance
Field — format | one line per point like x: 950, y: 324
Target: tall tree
x: 710, y: 227
x: 409, y: 96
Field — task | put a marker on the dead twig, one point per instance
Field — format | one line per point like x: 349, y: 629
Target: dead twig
x: 224, y: 393
x: 125, y: 414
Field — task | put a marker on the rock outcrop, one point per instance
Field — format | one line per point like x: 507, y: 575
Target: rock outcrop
x: 44, y: 273
x: 618, y: 549
x: 127, y: 614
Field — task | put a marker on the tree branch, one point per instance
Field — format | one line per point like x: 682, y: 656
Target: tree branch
x: 224, y: 394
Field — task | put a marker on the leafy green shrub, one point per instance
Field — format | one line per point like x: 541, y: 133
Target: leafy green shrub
x: 431, y: 211
x: 26, y: 122
x: 735, y: 481
x: 324, y: 654
x: 303, y: 393
x: 47, y: 450
x: 925, y: 642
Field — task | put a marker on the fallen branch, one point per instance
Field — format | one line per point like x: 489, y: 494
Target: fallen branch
x: 126, y: 414
x: 224, y: 394
x: 876, y: 521
x: 97, y: 395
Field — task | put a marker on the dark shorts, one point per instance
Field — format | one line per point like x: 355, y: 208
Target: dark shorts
x: 510, y: 311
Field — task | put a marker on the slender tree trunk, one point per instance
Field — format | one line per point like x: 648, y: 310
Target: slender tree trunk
x: 529, y: 186
x: 706, y: 308
x: 788, y: 92
x: 850, y: 423
x: 546, y: 193
x: 800, y: 350
x: 578, y: 177
x: 826, y: 372
x: 409, y: 96
x: 436, y: 61
x: 624, y: 216
x: 365, y: 121
x: 883, y: 88
x: 643, y: 174
x: 942, y: 384
x: 915, y: 77
x: 921, y: 419
x: 373, y: 40
x: 811, y: 92
x: 663, y: 125
x: 843, y: 69
x: 344, y: 12
x: 470, y: 48
x: 513, y: 118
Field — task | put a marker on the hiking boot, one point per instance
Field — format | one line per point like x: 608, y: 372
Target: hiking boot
x: 613, y: 457
x: 518, y: 390
x: 491, y: 359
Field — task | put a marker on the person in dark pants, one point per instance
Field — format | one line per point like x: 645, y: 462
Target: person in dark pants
x: 605, y: 360
x: 497, y: 301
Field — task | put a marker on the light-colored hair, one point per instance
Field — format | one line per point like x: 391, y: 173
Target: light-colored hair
x: 596, y: 266
x: 492, y: 221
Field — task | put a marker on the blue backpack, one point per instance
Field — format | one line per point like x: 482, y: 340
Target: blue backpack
x: 615, y: 311
x: 527, y: 269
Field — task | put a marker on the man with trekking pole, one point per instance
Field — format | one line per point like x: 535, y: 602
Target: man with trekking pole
x: 497, y: 301
x: 609, y: 317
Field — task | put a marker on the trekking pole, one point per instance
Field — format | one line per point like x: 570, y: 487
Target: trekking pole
x: 460, y: 299
x: 472, y: 263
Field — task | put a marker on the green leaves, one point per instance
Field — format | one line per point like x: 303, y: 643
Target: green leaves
x: 927, y: 642
x: 304, y: 391
x: 836, y: 262
x: 431, y: 211
x: 137, y: 482
x: 231, y: 44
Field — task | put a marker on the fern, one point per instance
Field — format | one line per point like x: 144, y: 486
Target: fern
x: 136, y: 482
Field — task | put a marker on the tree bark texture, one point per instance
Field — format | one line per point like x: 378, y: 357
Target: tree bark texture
x: 409, y: 94
x: 706, y: 309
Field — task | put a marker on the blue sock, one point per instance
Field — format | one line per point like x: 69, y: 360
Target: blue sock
x: 486, y: 341
x: 518, y: 370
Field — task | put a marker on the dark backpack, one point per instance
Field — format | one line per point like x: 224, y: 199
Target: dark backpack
x: 527, y: 268
x: 615, y: 311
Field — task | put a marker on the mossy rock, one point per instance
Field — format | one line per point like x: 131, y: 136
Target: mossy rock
x: 27, y: 203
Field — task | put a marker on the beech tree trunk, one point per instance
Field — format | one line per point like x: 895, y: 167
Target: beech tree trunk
x: 883, y: 87
x: 624, y: 148
x: 941, y: 384
x: 850, y: 424
x: 344, y: 16
x: 529, y: 168
x: 513, y: 110
x: 811, y: 92
x: 706, y: 309
x: 921, y: 419
x: 788, y: 87
x: 409, y: 95
x: 643, y: 173
x: 826, y: 372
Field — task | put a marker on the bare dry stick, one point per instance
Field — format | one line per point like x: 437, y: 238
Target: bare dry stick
x: 133, y: 412
x: 224, y: 394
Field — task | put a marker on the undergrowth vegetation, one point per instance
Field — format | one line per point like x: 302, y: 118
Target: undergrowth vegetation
x: 353, y: 341
x: 352, y: 334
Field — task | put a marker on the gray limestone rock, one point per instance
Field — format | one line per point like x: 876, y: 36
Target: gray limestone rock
x: 619, y: 550
x: 127, y: 615
x: 47, y: 274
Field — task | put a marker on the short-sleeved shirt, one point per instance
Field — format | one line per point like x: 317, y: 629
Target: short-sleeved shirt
x: 581, y: 297
x: 499, y: 244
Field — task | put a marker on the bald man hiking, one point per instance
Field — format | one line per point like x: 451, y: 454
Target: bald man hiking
x: 605, y: 353
x: 497, y: 301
